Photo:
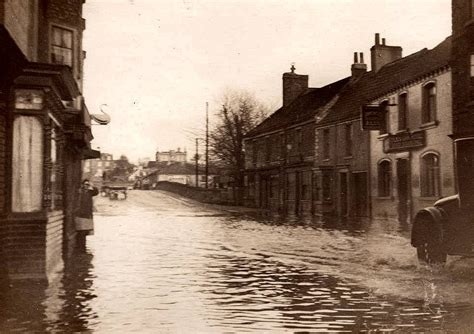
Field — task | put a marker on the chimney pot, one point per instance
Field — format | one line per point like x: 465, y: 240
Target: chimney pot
x: 356, y: 61
x: 361, y: 57
x: 383, y: 41
x: 377, y: 39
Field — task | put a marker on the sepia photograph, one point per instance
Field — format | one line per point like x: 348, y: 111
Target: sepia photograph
x: 237, y: 166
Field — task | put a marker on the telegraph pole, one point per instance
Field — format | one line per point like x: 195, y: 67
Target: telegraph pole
x: 197, y: 165
x: 207, y: 145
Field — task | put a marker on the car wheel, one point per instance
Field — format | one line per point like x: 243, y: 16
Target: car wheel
x: 431, y: 253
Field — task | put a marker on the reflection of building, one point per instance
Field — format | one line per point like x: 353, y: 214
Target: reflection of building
x: 172, y: 156
x: 44, y: 133
x: 96, y: 170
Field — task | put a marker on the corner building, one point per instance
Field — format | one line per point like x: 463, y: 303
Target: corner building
x: 45, y: 134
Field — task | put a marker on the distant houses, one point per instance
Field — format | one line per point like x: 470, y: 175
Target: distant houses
x: 316, y: 155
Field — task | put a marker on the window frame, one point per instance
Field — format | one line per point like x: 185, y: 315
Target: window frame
x: 429, y: 102
x: 430, y: 181
x: 403, y: 111
x: 349, y: 139
x: 326, y: 135
x: 73, y: 48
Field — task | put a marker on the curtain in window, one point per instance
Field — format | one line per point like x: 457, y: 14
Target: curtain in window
x: 27, y: 159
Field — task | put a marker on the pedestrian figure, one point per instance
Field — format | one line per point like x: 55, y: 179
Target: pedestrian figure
x: 83, y: 215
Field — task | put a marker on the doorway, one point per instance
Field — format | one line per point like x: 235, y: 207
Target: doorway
x: 403, y: 175
x: 360, y: 198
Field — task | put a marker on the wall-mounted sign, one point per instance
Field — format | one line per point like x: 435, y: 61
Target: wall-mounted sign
x: 373, y: 117
x: 404, y: 141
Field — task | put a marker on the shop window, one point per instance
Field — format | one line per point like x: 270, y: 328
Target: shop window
x: 430, y: 175
x: 402, y: 111
x: 348, y: 139
x: 27, y: 157
x: 386, y: 118
x: 326, y: 143
x: 62, y: 46
x: 429, y: 103
x: 384, y: 178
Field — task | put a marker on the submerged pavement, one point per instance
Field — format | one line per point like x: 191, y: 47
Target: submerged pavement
x: 159, y: 263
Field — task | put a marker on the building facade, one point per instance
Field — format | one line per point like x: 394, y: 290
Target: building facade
x: 171, y: 156
x: 279, y: 152
x: 412, y: 156
x: 44, y: 134
x: 341, y: 171
x: 98, y: 170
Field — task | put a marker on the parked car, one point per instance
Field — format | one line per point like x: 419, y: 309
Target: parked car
x: 447, y: 228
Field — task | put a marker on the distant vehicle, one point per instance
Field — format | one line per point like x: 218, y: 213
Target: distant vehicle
x: 447, y: 228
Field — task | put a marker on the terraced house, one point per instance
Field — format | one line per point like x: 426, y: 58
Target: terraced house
x: 279, y: 152
x: 45, y: 133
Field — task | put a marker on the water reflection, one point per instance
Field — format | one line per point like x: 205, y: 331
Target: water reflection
x: 155, y: 265
x: 61, y: 306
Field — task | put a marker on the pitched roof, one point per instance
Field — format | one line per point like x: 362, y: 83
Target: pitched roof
x: 390, y: 77
x: 302, y: 109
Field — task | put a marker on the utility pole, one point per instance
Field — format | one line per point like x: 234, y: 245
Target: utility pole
x: 207, y: 145
x: 197, y: 164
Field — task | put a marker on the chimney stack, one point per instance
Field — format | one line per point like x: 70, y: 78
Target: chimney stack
x: 293, y: 85
x: 382, y: 54
x: 358, y: 68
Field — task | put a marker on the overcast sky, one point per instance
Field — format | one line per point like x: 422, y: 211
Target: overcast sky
x: 155, y: 63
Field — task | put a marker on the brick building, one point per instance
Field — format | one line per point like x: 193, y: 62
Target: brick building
x: 279, y: 152
x: 44, y: 133
x: 341, y: 170
x: 171, y: 156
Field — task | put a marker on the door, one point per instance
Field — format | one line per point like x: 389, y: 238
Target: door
x: 403, y: 175
x: 360, y: 198
x: 344, y: 194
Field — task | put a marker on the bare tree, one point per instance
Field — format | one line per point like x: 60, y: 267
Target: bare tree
x: 239, y: 113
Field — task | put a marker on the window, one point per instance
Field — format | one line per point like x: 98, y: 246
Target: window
x: 27, y: 176
x: 317, y: 195
x: 299, y: 141
x: 268, y: 149
x: 384, y: 177
x: 326, y: 144
x: 402, y: 111
x: 429, y: 103
x: 386, y: 117
x: 348, y: 136
x: 430, y: 175
x: 282, y: 146
x: 62, y: 46
x: 254, y: 152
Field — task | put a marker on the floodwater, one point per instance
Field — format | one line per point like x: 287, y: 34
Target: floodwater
x: 162, y: 264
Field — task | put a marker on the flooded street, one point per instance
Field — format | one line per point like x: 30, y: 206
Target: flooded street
x: 162, y: 264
